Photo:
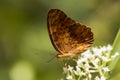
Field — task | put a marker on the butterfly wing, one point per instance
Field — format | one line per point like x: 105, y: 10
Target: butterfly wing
x: 67, y: 36
x: 57, y: 23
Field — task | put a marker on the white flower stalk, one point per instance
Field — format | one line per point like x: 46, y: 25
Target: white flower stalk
x: 91, y: 64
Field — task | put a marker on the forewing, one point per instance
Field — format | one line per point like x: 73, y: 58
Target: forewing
x: 58, y: 24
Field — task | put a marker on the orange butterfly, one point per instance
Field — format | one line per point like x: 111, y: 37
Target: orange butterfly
x: 68, y: 37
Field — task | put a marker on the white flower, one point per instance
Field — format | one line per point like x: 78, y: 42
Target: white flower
x: 65, y: 70
x: 106, y: 69
x: 93, y: 61
x: 70, y: 68
x: 90, y: 76
x: 77, y: 71
x: 102, y: 78
x: 109, y: 48
x: 96, y: 60
x: 87, y: 54
x: 69, y: 77
x: 104, y: 58
x: 103, y: 49
x: 97, y: 78
x: 115, y: 55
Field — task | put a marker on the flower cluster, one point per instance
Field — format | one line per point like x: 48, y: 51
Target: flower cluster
x: 90, y: 65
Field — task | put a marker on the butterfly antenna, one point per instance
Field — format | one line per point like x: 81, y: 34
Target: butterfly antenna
x: 51, y: 59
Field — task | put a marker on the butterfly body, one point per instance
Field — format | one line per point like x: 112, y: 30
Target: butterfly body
x: 68, y: 37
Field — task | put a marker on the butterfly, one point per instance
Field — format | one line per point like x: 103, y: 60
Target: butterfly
x: 68, y: 37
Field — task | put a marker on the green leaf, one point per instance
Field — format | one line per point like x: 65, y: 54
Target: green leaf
x: 116, y: 48
x: 113, y: 66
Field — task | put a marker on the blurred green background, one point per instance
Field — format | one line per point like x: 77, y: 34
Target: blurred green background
x: 25, y: 46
